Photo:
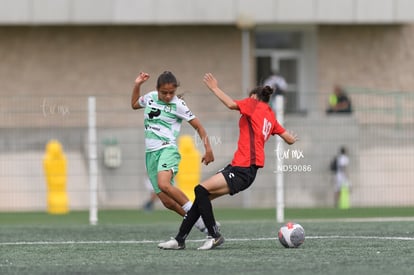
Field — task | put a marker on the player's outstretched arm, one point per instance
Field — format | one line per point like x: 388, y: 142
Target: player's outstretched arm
x: 136, y: 92
x: 212, y: 84
x: 208, y: 152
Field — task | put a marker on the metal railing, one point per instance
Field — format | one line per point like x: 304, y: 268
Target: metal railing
x: 379, y: 135
x: 382, y: 107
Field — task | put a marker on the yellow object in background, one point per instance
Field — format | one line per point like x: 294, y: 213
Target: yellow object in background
x: 344, y: 198
x: 189, y: 169
x: 54, y: 163
x: 333, y: 100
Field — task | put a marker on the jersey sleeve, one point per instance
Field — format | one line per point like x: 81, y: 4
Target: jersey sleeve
x: 183, y: 111
x: 143, y: 100
x: 278, y: 129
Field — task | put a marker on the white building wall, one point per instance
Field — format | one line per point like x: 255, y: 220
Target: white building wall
x: 204, y: 12
x: 404, y: 11
x: 49, y: 11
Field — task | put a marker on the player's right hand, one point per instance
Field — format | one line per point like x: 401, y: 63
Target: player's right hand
x: 210, y: 81
x: 142, y: 77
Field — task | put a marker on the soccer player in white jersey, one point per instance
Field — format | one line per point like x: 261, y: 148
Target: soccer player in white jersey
x: 163, y: 115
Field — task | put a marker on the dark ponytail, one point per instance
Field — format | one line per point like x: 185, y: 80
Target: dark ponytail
x: 262, y: 93
x: 166, y: 78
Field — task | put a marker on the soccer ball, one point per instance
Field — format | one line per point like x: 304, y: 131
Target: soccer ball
x: 291, y: 235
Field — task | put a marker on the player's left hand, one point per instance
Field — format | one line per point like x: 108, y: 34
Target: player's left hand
x: 207, y: 158
x: 289, y: 137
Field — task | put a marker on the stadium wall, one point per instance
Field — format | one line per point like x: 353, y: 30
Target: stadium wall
x: 47, y: 73
x: 87, y: 60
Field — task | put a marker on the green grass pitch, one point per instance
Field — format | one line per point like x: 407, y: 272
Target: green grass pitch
x: 355, y: 241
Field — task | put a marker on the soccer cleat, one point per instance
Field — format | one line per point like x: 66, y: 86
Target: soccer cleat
x: 211, y: 243
x: 205, y: 230
x: 171, y: 245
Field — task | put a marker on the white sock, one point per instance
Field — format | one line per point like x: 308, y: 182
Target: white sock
x: 187, y: 206
x: 200, y: 225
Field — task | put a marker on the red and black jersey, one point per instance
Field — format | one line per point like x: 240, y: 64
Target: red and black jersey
x: 257, y: 123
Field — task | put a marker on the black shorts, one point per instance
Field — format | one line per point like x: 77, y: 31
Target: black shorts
x: 239, y: 178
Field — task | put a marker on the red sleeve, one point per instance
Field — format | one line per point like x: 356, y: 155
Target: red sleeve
x: 278, y: 129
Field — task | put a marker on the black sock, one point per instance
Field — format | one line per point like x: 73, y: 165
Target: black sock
x: 188, y: 222
x: 206, y: 210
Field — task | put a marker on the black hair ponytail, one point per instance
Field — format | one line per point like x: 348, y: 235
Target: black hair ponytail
x: 165, y: 78
x: 263, y: 93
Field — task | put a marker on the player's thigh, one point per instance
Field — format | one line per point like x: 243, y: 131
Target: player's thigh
x: 216, y: 185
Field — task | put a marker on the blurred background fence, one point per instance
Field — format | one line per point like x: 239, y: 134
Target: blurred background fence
x: 379, y: 135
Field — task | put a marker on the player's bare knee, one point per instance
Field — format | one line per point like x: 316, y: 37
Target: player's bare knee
x: 165, y: 187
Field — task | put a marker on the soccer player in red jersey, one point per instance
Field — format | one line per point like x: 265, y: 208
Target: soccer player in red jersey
x: 257, y: 123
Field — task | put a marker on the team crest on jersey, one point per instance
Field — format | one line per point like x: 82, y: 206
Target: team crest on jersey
x: 167, y: 108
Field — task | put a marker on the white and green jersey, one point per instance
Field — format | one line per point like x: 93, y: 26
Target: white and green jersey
x: 162, y: 120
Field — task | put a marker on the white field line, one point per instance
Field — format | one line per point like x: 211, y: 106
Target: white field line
x: 373, y: 219
x: 383, y: 219
x: 201, y: 240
